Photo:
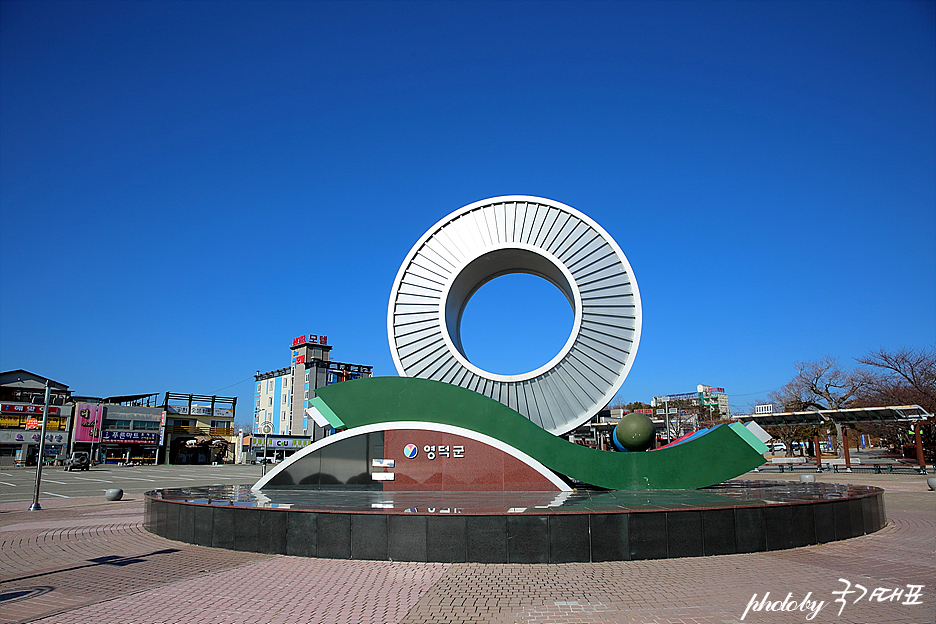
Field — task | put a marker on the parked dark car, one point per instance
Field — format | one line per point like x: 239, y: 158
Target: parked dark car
x: 78, y: 460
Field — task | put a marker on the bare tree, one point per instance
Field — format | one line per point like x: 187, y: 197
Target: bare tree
x: 902, y: 377
x: 906, y: 376
x: 822, y: 385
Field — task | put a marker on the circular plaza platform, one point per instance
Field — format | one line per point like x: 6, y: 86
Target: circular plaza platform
x: 516, y: 527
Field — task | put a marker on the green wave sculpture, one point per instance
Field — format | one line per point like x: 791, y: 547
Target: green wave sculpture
x: 720, y: 454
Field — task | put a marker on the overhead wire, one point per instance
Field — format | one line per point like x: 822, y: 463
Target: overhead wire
x: 233, y: 384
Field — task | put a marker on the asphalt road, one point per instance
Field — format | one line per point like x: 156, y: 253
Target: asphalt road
x: 18, y: 484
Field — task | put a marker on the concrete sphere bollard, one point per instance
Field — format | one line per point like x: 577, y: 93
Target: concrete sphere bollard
x: 931, y: 482
x: 113, y: 494
x: 807, y: 478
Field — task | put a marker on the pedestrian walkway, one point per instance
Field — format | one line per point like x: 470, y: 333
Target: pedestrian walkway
x: 88, y: 561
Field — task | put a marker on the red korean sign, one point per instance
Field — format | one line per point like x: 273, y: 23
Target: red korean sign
x: 7, y: 408
x: 310, y: 339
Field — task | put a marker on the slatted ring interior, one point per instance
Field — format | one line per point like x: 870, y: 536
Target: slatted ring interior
x: 519, y: 234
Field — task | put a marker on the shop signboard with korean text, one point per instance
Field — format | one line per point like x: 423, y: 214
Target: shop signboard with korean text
x: 162, y: 428
x: 14, y: 416
x: 202, y: 410
x: 88, y: 422
x: 130, y: 437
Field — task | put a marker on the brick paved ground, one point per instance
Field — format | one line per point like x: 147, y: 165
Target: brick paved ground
x: 88, y: 561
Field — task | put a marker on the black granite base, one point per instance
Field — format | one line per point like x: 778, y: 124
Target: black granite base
x: 739, y: 517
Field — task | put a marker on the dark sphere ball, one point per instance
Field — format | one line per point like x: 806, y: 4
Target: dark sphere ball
x: 635, y: 432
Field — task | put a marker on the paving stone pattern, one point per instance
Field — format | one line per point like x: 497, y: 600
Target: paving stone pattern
x: 89, y: 561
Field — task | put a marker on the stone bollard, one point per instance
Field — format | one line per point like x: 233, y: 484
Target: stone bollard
x: 931, y: 482
x: 807, y: 478
x: 113, y: 494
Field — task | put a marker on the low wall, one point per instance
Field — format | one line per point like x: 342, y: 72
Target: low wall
x: 561, y: 535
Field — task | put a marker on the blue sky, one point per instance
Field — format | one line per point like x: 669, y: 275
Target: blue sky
x: 186, y: 186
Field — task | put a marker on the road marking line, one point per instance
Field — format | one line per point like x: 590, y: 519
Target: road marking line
x: 5, y: 483
x: 89, y: 479
x: 59, y: 495
x: 51, y: 481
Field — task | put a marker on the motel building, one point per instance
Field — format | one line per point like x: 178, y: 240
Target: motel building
x: 283, y: 395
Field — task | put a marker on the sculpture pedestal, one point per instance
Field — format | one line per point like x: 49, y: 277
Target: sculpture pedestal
x: 516, y: 527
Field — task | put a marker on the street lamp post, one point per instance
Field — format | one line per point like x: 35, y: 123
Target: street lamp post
x: 918, y: 441
x: 266, y: 428
x: 666, y: 414
x: 45, y: 417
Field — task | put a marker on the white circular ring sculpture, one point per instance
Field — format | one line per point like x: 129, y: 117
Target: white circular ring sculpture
x: 519, y: 234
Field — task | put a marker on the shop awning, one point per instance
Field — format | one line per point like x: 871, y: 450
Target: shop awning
x: 200, y: 440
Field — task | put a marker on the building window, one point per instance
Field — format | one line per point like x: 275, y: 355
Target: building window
x: 222, y: 424
x: 145, y: 425
x: 270, y: 402
x: 116, y: 424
